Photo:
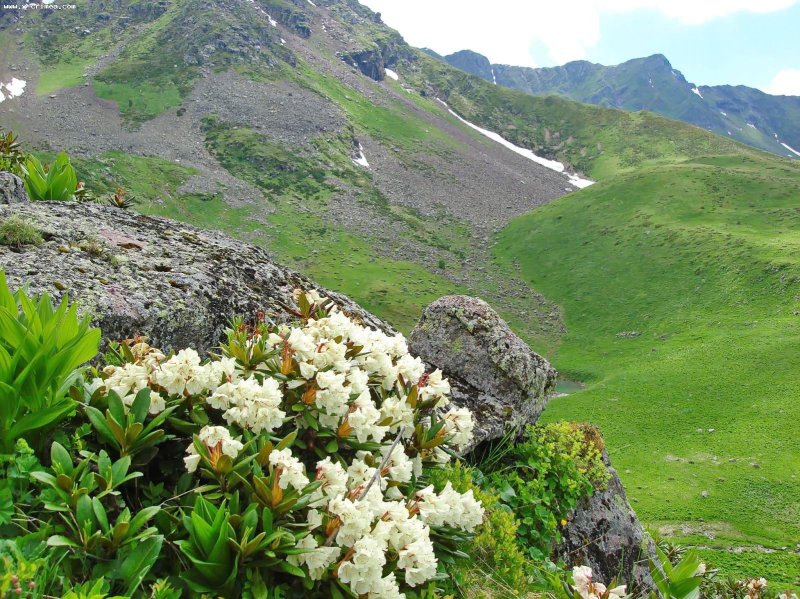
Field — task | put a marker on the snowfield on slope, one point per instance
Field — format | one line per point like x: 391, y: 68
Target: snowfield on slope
x: 12, y: 89
x: 553, y: 165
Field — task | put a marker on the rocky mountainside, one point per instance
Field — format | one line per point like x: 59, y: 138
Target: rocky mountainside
x: 745, y: 114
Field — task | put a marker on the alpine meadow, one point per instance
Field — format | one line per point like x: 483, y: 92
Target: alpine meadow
x: 292, y: 308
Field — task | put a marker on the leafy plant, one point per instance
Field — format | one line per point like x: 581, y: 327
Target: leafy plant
x: 57, y: 181
x: 543, y: 478
x: 128, y: 430
x: 41, y: 349
x: 12, y: 157
x: 122, y: 199
x: 679, y: 581
x: 214, y: 561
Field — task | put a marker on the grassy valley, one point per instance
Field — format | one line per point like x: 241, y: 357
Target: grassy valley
x: 679, y: 285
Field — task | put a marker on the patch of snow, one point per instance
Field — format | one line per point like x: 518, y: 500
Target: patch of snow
x: 651, y: 82
x: 12, y: 89
x: 494, y: 79
x: 579, y: 182
x: 776, y: 136
x: 792, y: 150
x: 361, y: 160
x: 311, y: 3
x: 272, y: 21
x: 283, y: 41
x: 697, y: 91
x: 392, y: 75
x: 723, y: 113
x: 553, y: 165
x: 752, y: 125
x: 674, y: 74
x: 729, y: 133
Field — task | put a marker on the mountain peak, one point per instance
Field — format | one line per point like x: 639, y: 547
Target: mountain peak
x: 471, y: 62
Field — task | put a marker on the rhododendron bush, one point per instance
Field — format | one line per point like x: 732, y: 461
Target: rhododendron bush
x: 305, y: 455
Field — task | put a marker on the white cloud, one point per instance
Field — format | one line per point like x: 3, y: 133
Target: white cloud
x: 785, y: 83
x: 506, y: 30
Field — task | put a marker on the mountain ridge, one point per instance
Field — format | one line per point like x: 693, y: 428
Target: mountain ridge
x: 651, y: 83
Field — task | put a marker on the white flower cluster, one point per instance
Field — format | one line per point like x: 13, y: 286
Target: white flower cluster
x: 358, y: 387
x: 588, y: 589
x: 364, y: 532
x: 215, y: 438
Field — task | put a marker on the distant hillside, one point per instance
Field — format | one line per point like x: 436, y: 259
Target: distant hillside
x: 745, y: 114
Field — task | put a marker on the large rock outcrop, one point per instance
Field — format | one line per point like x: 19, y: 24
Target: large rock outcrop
x: 175, y: 283
x: 604, y: 533
x: 493, y: 372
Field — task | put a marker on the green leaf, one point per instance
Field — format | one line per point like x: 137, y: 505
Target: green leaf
x: 61, y: 541
x: 141, y: 404
x: 137, y: 563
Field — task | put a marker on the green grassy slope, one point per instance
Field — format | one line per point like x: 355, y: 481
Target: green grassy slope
x: 679, y: 284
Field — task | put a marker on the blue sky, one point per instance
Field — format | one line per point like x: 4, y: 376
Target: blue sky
x: 749, y: 42
x: 748, y: 49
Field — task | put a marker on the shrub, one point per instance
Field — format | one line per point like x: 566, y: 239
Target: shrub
x: 497, y: 565
x: 294, y: 464
x: 12, y: 157
x: 41, y: 348
x: 16, y: 233
x: 57, y: 181
x: 543, y: 478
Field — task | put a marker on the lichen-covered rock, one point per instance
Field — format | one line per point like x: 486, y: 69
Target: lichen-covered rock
x: 137, y: 274
x: 604, y: 533
x: 12, y: 189
x: 493, y: 372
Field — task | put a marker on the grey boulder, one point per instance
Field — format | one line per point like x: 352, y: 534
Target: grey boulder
x: 492, y: 371
x: 177, y: 284
x: 605, y: 534
x: 12, y: 189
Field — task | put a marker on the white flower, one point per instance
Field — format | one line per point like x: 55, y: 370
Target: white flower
x: 418, y: 561
x: 157, y: 403
x: 458, y: 425
x: 292, y: 470
x: 127, y: 380
x: 410, y: 368
x: 356, y: 521
x: 400, y: 412
x: 581, y: 577
x: 250, y: 404
x: 317, y: 560
x: 181, y: 374
x: 450, y: 508
x: 364, y: 570
x: 364, y: 419
x: 386, y: 588
x: 399, y: 466
x: 192, y: 460
x: 212, y: 437
x: 757, y: 584
x: 435, y: 386
x: 333, y: 476
x: 618, y: 592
